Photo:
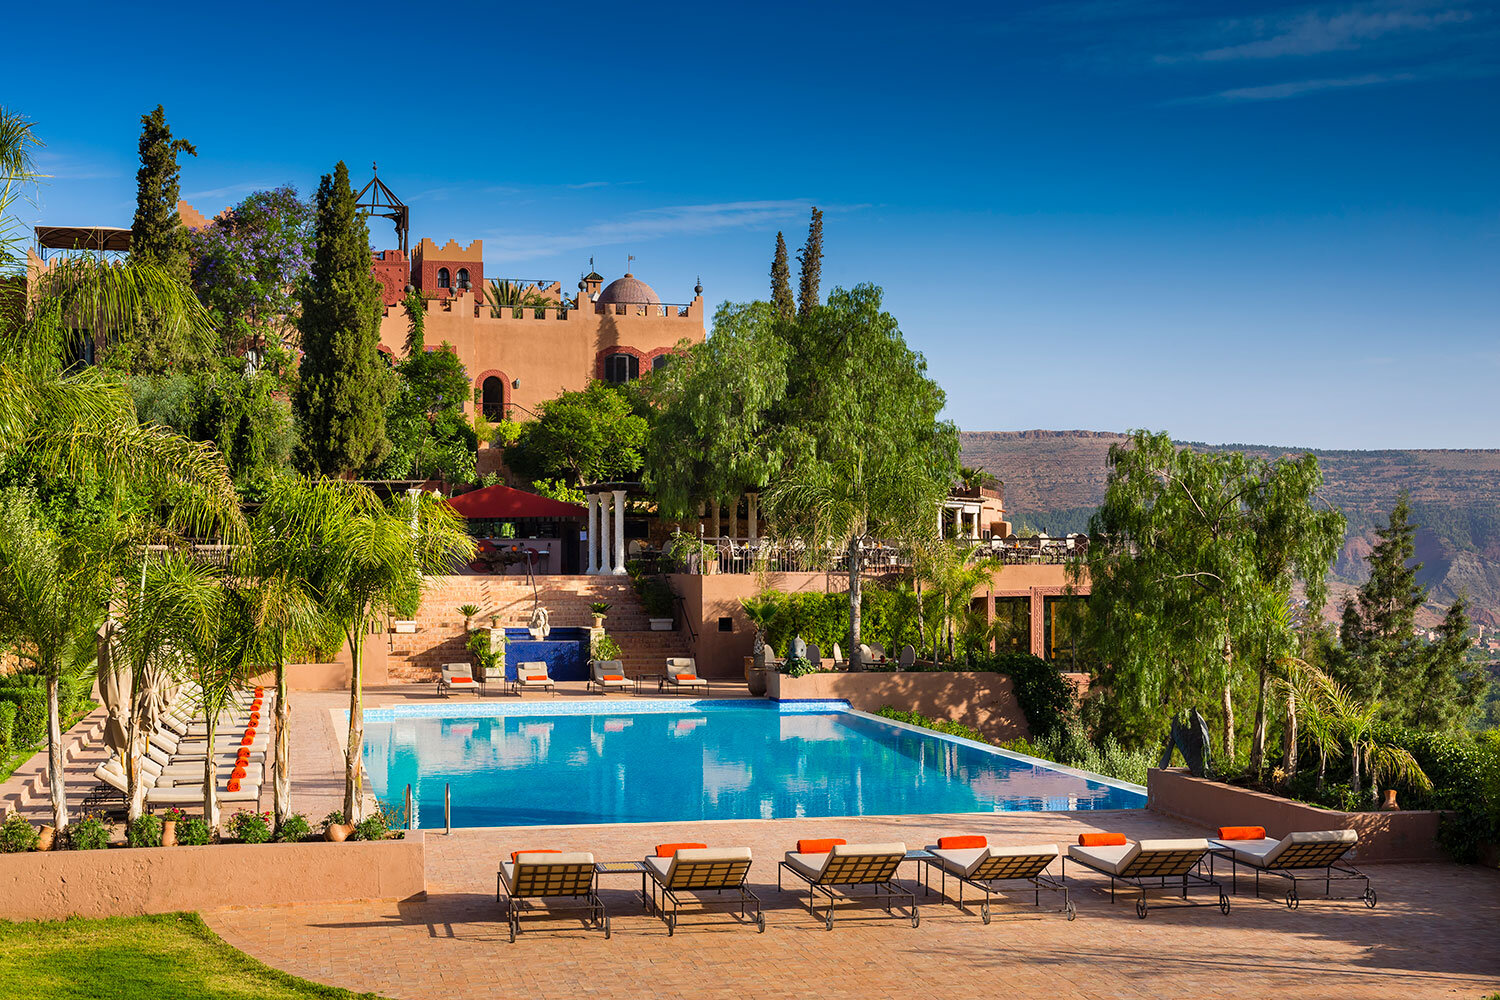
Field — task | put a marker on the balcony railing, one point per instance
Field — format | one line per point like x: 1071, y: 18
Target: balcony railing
x: 741, y: 555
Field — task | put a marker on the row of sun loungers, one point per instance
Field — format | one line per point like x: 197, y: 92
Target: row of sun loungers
x: 604, y: 675
x: 673, y: 876
x: 173, y: 764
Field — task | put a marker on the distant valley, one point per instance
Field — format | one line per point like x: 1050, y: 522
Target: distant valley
x: 1054, y: 480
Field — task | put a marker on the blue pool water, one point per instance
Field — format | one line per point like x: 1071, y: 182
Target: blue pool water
x: 656, y: 761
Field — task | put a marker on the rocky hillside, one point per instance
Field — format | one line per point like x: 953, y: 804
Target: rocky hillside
x: 1054, y: 479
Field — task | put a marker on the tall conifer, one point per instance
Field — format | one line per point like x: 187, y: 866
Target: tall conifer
x: 343, y: 387
x: 781, y: 282
x: 811, y: 259
x: 156, y: 234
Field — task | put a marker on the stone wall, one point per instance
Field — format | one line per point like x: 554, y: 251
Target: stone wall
x: 983, y: 700
x: 1383, y: 836
x: 131, y: 881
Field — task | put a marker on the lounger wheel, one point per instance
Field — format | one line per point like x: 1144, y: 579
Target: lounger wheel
x: 1291, y: 900
x: 606, y: 929
x: 1071, y: 910
x: 1140, y: 908
x: 512, y: 933
x: 1369, y: 896
x: 916, y: 918
x: 828, y: 921
x: 1223, y: 904
x: 760, y: 923
x: 671, y: 924
x: 984, y: 912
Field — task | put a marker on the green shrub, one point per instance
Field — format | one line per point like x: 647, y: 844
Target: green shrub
x: 30, y: 725
x: 293, y: 829
x: 598, y: 607
x: 192, y: 831
x: 1070, y: 745
x: 335, y: 818
x: 796, y: 666
x: 7, y: 726
x: 603, y: 647
x: 144, y: 831
x: 937, y: 725
x: 656, y: 596
x: 17, y: 835
x: 1465, y: 775
x: 251, y: 827
x: 372, y: 827
x: 1044, y: 694
x: 88, y: 834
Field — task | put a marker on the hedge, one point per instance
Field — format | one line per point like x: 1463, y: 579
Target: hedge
x: 7, y: 727
x: 823, y: 619
x: 1465, y: 775
x: 30, y: 721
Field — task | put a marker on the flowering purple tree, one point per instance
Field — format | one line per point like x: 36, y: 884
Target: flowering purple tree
x: 247, y: 266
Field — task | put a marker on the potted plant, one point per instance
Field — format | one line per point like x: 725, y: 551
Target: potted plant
x: 405, y: 622
x: 169, y: 822
x: 602, y: 647
x: 656, y: 598
x: 598, y: 609
x: 488, y: 649
x: 468, y: 611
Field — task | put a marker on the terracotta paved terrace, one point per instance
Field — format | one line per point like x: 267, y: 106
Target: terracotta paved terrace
x: 1434, y: 933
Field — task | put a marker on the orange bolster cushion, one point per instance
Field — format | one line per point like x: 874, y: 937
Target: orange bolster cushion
x: 1242, y: 833
x: 614, y: 677
x: 239, y: 771
x: 249, y: 739
x: 687, y: 677
x: 463, y: 680
x: 822, y: 846
x: 667, y: 850
x: 254, y: 719
x: 1101, y: 840
x: 536, y: 677
x: 515, y: 856
x: 961, y: 843
x: 234, y: 784
x: 258, y: 691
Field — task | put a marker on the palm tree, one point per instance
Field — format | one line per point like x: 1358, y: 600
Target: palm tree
x: 760, y: 609
x: 1350, y: 722
x: 952, y: 572
x: 365, y: 557
x: 284, y: 613
x: 53, y: 590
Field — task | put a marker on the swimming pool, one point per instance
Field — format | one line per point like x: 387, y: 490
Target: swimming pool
x: 653, y: 761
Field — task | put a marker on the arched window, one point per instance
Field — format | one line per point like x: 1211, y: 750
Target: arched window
x: 443, y: 278
x: 463, y: 277
x: 492, y: 398
x: 622, y: 368
x: 660, y: 361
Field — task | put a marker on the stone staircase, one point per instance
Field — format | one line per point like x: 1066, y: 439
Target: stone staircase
x: 28, y: 792
x: 440, y: 635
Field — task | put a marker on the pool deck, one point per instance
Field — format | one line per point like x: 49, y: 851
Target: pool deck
x: 1431, y: 935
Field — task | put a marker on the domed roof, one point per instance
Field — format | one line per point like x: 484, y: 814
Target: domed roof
x: 628, y: 289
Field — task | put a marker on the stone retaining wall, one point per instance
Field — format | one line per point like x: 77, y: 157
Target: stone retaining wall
x: 1407, y: 835
x: 980, y: 699
x: 132, y: 881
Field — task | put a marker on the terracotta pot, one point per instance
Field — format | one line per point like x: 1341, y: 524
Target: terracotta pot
x: 1389, y: 805
x: 756, y: 681
x: 598, y: 621
x: 337, y: 833
x: 45, y: 838
x: 169, y: 833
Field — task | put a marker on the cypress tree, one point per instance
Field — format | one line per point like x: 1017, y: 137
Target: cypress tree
x: 811, y: 259
x: 781, y: 282
x: 343, y: 387
x: 156, y: 234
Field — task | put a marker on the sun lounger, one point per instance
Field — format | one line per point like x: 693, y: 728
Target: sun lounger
x: 544, y: 875
x: 682, y: 674
x: 456, y: 677
x: 973, y: 862
x: 1134, y: 863
x: 533, y: 674
x: 1297, y: 857
x: 694, y: 868
x: 608, y: 675
x: 180, y: 795
x: 831, y: 864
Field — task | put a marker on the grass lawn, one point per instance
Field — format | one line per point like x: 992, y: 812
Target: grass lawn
x: 172, y: 955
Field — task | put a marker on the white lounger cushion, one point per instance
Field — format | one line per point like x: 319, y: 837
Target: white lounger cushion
x: 664, y: 868
x: 1263, y: 853
x: 692, y: 681
x: 193, y: 794
x: 508, y: 869
x: 967, y: 860
x: 1118, y: 859
x: 813, y: 865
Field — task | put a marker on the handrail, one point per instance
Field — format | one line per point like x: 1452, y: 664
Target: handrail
x: 686, y: 621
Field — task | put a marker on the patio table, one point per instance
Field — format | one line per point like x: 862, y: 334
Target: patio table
x: 626, y: 868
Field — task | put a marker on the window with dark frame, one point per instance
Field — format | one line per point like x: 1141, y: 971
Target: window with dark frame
x: 622, y: 368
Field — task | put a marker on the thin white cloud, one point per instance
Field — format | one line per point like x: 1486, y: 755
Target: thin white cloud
x: 227, y: 191
x: 587, y: 184
x: 1296, y: 88
x: 1315, y: 32
x: 66, y: 167
x: 651, y: 224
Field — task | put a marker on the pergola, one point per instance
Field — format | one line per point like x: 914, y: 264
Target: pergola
x: 606, y: 546
x: 96, y: 239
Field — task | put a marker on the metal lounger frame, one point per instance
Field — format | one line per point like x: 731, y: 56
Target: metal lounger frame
x: 1309, y: 858
x: 576, y: 881
x: 1160, y: 865
x: 846, y: 870
x: 1029, y: 868
x: 705, y: 876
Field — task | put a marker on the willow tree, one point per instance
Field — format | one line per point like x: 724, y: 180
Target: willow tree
x: 865, y: 456
x: 714, y: 433
x: 1190, y: 569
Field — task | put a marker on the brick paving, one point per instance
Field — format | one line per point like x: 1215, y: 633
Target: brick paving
x: 1433, y: 933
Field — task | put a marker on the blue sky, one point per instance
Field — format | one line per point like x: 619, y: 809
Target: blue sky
x: 1260, y: 223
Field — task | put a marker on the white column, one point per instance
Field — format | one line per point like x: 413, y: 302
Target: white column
x: 619, y: 569
x: 754, y: 499
x: 941, y: 514
x: 593, y: 539
x: 604, y: 536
